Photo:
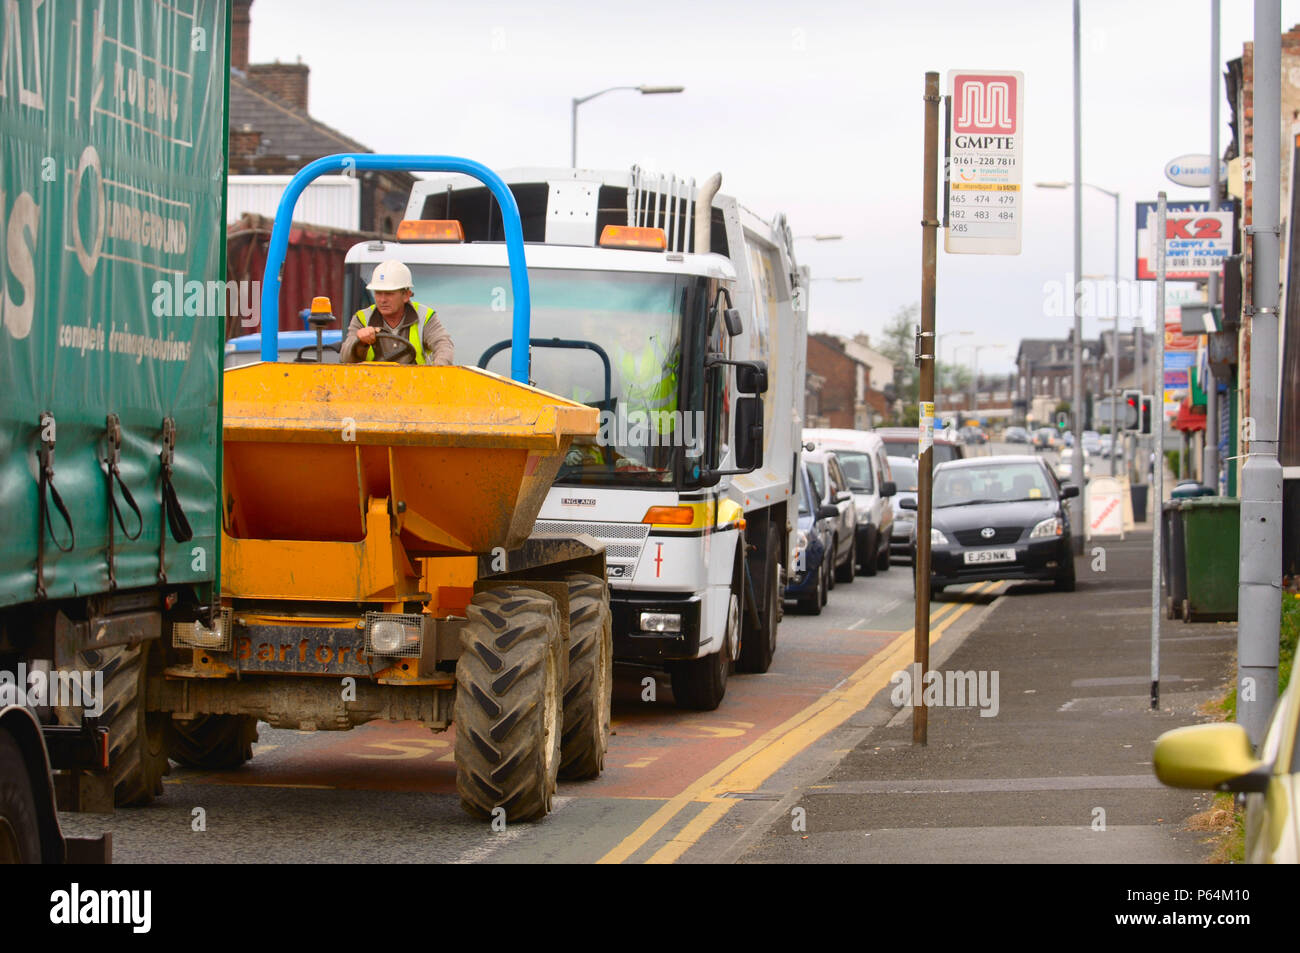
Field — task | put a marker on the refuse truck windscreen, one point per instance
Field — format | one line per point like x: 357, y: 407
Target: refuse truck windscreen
x: 648, y: 420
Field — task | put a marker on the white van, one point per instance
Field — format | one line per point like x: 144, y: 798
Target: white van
x: 863, y: 459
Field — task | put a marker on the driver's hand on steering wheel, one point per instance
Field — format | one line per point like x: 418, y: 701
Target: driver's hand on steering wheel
x: 367, y: 335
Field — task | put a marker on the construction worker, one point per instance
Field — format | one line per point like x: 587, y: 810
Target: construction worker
x: 409, y: 320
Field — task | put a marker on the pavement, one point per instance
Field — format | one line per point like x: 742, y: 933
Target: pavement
x: 1052, y: 763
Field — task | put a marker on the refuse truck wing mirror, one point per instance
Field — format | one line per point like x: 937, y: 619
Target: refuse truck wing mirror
x: 732, y: 318
x: 749, y: 433
x: 751, y: 377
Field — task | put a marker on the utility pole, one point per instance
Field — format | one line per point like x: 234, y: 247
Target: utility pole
x: 925, y: 358
x: 1259, y: 594
x: 1156, y: 504
x: 1210, y: 456
x: 1076, y: 405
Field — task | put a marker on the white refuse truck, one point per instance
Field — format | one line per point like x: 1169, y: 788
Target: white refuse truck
x: 682, y: 317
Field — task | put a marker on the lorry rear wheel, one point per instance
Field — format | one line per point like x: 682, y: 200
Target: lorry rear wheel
x: 587, y: 692
x: 137, y: 738
x: 508, y: 709
x: 20, y: 839
x: 212, y: 741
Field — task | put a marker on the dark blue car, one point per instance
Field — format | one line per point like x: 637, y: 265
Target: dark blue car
x: 810, y: 573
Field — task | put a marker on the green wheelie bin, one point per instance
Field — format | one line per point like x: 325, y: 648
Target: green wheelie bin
x: 1211, y: 542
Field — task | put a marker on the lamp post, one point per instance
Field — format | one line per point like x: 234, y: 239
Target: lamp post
x: 1114, y: 391
x: 1076, y: 405
x: 579, y: 100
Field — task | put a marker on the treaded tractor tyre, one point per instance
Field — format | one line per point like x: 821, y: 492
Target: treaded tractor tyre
x: 587, y: 691
x: 212, y: 741
x: 508, y: 709
x: 137, y: 738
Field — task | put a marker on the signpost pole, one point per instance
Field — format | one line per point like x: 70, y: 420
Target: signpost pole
x: 1156, y: 504
x: 1210, y: 457
x: 1076, y: 404
x: 1259, y: 589
x: 925, y: 358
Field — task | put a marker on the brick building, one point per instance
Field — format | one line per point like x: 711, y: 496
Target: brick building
x: 272, y: 133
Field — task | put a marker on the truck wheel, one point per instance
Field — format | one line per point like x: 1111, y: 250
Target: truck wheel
x: 701, y: 683
x: 757, y: 648
x: 508, y: 704
x: 212, y: 741
x: 20, y: 839
x: 137, y: 738
x: 588, y: 690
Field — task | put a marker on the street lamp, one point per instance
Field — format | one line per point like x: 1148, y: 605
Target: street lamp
x: 1114, y: 393
x: 578, y: 101
x: 1076, y: 404
x: 822, y: 238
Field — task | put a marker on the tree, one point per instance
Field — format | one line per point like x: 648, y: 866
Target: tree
x: 899, y: 345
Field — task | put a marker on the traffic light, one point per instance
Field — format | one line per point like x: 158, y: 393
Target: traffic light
x: 1147, y: 401
x: 1132, y: 410
x: 1062, y: 419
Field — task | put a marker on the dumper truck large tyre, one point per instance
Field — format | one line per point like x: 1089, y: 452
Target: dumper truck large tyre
x: 137, y: 738
x: 591, y: 677
x: 20, y: 841
x: 215, y: 742
x: 509, y: 704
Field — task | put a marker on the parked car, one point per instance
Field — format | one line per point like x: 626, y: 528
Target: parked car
x: 1045, y: 438
x: 1000, y: 518
x: 902, y: 442
x: 1092, y: 441
x: 1065, y: 466
x: 862, y: 457
x: 810, y: 574
x: 902, y: 539
x: 1219, y: 757
x: 1016, y: 435
x: 831, y: 488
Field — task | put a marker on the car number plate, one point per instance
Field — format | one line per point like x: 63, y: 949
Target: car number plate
x: 990, y: 556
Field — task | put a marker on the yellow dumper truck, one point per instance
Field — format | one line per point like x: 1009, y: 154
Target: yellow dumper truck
x: 376, y: 558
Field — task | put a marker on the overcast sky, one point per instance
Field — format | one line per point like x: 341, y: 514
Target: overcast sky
x: 813, y: 109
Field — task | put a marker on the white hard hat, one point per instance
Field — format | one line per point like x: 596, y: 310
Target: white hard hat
x: 390, y: 276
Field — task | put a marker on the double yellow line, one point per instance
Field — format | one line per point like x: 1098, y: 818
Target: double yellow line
x: 748, y: 769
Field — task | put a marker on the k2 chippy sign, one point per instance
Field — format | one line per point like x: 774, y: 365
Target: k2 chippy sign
x: 986, y: 162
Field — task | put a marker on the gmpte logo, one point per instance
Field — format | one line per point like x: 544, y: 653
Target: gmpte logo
x: 75, y: 906
x: 39, y: 688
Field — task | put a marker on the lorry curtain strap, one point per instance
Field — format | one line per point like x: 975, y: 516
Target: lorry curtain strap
x: 171, y: 515
x: 114, y: 481
x: 46, y: 492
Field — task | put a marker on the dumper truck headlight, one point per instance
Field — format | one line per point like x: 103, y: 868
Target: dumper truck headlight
x: 196, y: 635
x: 393, y: 634
x: 661, y: 622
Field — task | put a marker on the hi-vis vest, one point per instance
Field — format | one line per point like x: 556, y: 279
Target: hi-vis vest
x: 422, y: 315
x: 651, y: 386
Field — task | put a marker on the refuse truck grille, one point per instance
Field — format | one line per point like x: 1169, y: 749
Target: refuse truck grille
x: 624, y: 542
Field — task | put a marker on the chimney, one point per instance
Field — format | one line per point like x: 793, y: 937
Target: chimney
x: 239, y: 34
x: 286, y: 81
